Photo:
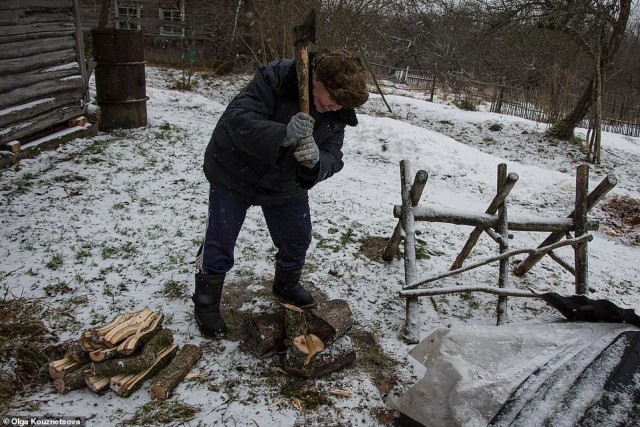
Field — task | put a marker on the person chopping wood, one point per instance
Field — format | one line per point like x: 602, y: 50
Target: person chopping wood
x: 265, y: 152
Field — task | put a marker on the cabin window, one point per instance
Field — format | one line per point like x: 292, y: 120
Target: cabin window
x: 127, y: 15
x: 172, y: 21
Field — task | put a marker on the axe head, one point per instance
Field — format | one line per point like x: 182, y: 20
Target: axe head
x: 306, y: 32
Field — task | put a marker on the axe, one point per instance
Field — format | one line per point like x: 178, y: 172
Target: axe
x: 302, y: 35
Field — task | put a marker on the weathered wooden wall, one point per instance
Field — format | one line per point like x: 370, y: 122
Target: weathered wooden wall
x: 204, y: 32
x: 42, y: 74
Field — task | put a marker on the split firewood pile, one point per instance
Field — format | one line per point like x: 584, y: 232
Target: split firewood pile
x: 122, y: 355
x: 312, y: 342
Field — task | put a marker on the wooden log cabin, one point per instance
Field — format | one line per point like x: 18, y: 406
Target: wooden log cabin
x: 43, y: 76
x: 182, y: 33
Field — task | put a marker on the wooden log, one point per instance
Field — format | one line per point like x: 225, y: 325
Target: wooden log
x: 127, y: 328
x: 168, y: 379
x: 146, y: 330
x: 96, y: 384
x: 130, y: 383
x: 58, y: 368
x: 417, y: 188
x: 41, y: 122
x: 330, y: 320
x: 505, y: 255
x: 23, y: 48
x: 137, y: 363
x: 407, y: 214
x: 296, y: 326
x: 502, y: 194
x: 580, y: 219
x: 324, y: 369
x: 40, y: 90
x: 593, y: 199
x: 93, y: 339
x: 35, y: 4
x: 266, y: 334
x: 23, y: 112
x: 460, y: 217
x: 503, y: 219
x: 103, y: 354
x: 72, y: 380
x: 45, y: 27
x: 44, y: 60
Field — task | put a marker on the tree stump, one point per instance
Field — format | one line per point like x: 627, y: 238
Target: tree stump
x: 302, y: 337
x: 266, y: 334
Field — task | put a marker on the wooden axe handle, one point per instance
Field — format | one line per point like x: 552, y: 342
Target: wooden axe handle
x: 302, y: 69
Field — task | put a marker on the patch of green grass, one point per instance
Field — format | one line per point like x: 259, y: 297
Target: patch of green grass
x: 69, y: 177
x: 310, y: 399
x: 496, y: 127
x: 347, y: 237
x: 125, y: 251
x: 175, y: 289
x: 55, y: 262
x: 162, y: 412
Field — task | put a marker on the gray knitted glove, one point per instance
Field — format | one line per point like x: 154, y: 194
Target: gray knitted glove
x: 307, y: 152
x: 300, y: 126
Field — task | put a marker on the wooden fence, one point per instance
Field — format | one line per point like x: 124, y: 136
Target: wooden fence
x: 621, y: 112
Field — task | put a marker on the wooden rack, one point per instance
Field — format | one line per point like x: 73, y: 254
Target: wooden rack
x: 495, y: 222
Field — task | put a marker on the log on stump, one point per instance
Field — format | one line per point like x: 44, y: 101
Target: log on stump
x: 324, y: 369
x: 124, y: 385
x: 168, y: 379
x: 310, y: 334
x: 72, y: 380
x: 133, y: 364
x: 265, y: 334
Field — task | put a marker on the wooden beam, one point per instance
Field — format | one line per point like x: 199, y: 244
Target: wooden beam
x: 606, y: 185
x: 543, y: 250
x: 460, y: 217
x: 504, y: 292
x: 580, y: 220
x: 502, y: 194
x: 417, y: 188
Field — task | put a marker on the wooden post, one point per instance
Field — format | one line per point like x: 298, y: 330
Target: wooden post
x: 503, y: 192
x: 503, y: 229
x: 593, y: 199
x: 393, y: 244
x: 580, y: 220
x: 408, y: 224
x: 433, y: 82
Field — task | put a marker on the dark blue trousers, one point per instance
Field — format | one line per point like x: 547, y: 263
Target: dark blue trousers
x: 289, y: 225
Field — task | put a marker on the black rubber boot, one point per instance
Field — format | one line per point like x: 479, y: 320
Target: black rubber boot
x: 286, y: 285
x: 206, y: 301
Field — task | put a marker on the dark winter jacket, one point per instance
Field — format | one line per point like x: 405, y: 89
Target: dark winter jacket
x: 245, y: 155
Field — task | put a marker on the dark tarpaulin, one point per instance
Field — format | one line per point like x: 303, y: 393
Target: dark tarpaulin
x: 584, y: 309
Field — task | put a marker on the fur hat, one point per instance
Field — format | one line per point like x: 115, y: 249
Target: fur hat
x: 343, y: 75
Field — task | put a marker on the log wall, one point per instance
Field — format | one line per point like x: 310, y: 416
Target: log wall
x: 43, y: 81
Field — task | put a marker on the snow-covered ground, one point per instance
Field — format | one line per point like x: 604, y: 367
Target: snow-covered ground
x: 112, y: 224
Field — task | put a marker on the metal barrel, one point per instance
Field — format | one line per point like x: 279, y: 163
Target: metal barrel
x: 120, y: 78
